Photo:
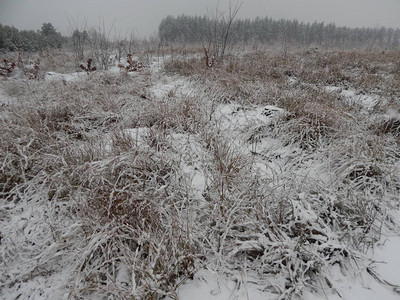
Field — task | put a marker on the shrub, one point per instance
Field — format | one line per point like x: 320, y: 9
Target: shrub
x: 131, y: 65
x: 7, y: 68
x: 88, y: 68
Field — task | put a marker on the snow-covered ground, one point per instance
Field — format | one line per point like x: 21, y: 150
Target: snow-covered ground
x: 46, y: 272
x: 378, y: 280
x: 368, y: 102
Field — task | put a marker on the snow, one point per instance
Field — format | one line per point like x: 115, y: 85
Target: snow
x: 208, y: 285
x: 197, y: 180
x: 347, y: 284
x: 25, y: 226
x: 5, y: 99
x: 367, y: 101
x: 387, y: 260
x: 360, y: 285
x: 170, y: 87
x: 233, y: 116
x: 53, y: 76
x: 236, y: 122
x: 138, y: 134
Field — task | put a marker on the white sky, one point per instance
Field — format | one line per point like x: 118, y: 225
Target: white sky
x: 144, y: 16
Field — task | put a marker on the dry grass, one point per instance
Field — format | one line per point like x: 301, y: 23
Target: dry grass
x: 367, y: 71
x: 72, y: 140
x: 111, y: 159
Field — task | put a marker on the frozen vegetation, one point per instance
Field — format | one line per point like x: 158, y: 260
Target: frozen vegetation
x: 271, y: 175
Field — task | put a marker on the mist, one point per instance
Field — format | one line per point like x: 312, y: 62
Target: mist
x: 143, y: 17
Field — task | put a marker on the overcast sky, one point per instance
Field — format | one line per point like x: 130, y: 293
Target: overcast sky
x: 143, y: 16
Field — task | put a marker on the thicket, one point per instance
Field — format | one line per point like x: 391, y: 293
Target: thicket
x: 197, y: 29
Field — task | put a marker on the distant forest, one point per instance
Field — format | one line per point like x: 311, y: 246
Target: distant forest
x: 12, y: 39
x: 200, y: 30
x: 197, y: 29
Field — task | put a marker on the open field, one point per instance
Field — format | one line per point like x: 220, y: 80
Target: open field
x: 270, y: 175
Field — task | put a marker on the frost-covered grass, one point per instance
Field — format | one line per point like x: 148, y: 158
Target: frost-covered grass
x: 269, y: 170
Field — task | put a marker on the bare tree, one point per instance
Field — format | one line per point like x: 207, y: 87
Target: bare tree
x: 101, y: 46
x: 131, y: 42
x: 219, y: 32
x: 227, y: 24
x: 120, y: 45
x: 80, y: 39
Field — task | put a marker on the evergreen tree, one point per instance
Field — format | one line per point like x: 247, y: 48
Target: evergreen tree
x: 188, y: 29
x: 50, y: 37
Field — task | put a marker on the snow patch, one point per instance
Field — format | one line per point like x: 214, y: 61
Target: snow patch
x: 233, y: 116
x: 368, y: 102
x: 53, y: 76
x: 171, y: 87
x: 208, y: 285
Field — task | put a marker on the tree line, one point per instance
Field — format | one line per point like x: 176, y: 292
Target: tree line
x: 12, y: 39
x: 197, y: 29
x: 200, y: 29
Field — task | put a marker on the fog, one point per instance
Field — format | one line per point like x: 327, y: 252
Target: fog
x: 143, y: 17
